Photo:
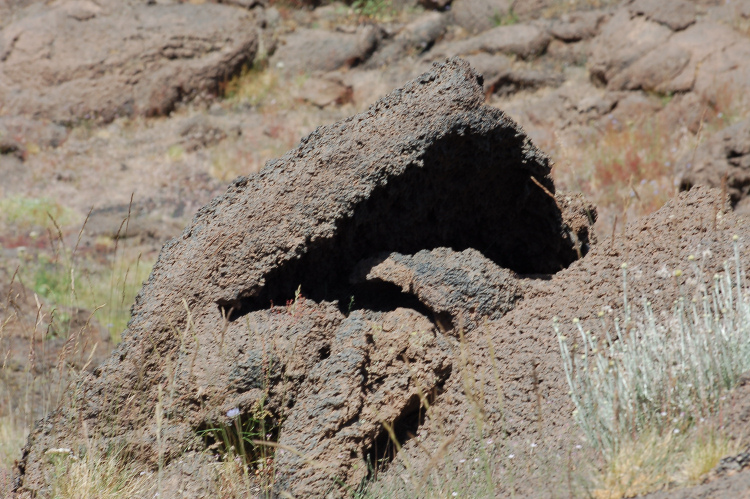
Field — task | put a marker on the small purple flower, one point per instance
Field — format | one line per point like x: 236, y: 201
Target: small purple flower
x: 233, y: 413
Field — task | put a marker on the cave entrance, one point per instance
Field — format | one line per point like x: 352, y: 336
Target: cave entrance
x: 466, y: 191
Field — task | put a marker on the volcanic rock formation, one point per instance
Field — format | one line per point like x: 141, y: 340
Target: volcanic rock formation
x: 385, y: 235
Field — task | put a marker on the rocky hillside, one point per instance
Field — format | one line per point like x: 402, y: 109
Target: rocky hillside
x: 375, y: 305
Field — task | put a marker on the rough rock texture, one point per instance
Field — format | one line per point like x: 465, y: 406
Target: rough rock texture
x: 521, y: 351
x: 77, y: 60
x: 459, y: 289
x: 724, y: 158
x: 427, y: 166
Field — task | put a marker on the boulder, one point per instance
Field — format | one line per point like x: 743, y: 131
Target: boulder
x: 322, y: 92
x: 78, y: 61
x: 675, y: 14
x: 633, y: 52
x: 523, y: 40
x: 212, y: 343
x: 623, y: 41
x: 577, y: 26
x: 476, y: 16
x: 316, y: 50
x: 722, y: 161
x: 415, y: 38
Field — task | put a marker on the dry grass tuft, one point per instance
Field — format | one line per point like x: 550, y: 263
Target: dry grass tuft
x: 12, y: 437
x: 97, y: 476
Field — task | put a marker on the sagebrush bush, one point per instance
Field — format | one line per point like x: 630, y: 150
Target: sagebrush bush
x: 660, y: 375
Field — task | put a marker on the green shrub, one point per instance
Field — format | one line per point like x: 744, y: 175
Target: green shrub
x: 24, y: 212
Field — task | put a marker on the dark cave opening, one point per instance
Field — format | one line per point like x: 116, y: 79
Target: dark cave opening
x: 468, y: 191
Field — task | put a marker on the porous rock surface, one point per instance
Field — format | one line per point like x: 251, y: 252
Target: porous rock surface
x: 457, y: 288
x: 78, y: 60
x: 428, y: 166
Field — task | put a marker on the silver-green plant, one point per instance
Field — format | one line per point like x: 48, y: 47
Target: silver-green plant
x: 665, y: 375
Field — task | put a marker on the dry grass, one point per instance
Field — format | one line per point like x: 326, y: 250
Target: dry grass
x: 12, y: 437
x: 626, y: 170
x: 654, y: 461
x: 71, y: 283
x: 97, y: 476
x: 254, y: 86
x: 21, y: 214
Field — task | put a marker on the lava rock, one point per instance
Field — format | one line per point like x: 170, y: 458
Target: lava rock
x: 248, y: 315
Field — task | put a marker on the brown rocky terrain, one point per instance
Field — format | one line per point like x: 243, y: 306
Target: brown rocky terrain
x: 394, y: 275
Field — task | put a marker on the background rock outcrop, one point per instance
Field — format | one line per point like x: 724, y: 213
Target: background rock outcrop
x: 722, y: 161
x: 80, y: 61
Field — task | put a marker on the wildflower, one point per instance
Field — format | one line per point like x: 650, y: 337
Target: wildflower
x: 462, y: 461
x: 533, y: 444
x: 489, y: 442
x: 476, y: 459
x: 455, y: 494
x: 676, y: 431
x: 233, y: 413
x: 579, y: 446
x: 511, y: 456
